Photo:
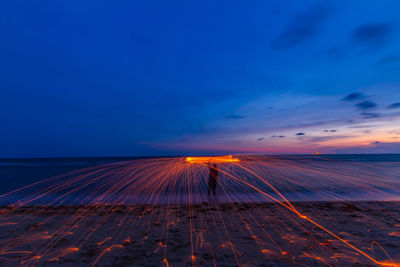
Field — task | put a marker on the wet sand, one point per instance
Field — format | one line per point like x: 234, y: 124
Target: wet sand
x: 204, y: 235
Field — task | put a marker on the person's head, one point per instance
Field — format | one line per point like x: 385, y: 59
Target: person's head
x: 215, y: 165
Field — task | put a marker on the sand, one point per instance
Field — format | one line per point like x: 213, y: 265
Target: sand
x: 204, y: 235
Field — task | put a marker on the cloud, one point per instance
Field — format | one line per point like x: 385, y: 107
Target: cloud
x: 364, y: 39
x: 366, y: 105
x: 362, y: 126
x: 353, y: 96
x: 302, y: 27
x: 235, y: 117
x: 370, y: 115
x: 388, y: 60
x: 394, y: 105
x: 278, y: 136
x: 372, y: 34
x: 261, y: 139
x: 376, y: 142
x: 300, y: 134
x: 327, y: 138
x: 330, y: 131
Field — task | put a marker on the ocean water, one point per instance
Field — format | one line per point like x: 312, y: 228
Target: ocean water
x: 297, y: 177
x: 16, y: 173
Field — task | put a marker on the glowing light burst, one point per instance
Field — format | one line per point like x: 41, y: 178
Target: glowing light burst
x: 220, y: 159
x: 266, y: 209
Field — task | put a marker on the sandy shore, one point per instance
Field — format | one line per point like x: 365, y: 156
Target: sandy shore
x: 203, y: 235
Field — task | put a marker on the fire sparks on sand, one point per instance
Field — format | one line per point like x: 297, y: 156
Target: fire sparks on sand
x: 267, y: 211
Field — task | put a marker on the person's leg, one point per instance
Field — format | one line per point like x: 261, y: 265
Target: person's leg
x: 214, y: 187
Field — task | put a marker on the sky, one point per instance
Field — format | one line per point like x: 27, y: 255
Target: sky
x: 149, y: 78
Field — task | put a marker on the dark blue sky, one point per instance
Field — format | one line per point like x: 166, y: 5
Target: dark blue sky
x: 94, y: 78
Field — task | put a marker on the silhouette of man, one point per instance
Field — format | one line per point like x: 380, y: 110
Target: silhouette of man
x: 213, y: 179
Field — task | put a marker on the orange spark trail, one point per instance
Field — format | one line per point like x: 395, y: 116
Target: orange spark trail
x: 220, y: 159
x: 290, y: 207
x: 159, y: 207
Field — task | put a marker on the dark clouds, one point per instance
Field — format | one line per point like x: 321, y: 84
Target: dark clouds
x: 394, y: 105
x: 261, y: 139
x: 278, y: 136
x: 300, y: 134
x: 370, y: 115
x: 330, y: 131
x: 372, y: 34
x: 366, y: 105
x: 353, y: 96
x: 302, y: 27
x: 388, y: 60
x: 235, y: 117
x: 364, y: 39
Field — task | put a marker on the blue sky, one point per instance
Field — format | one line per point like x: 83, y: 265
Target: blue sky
x: 110, y: 78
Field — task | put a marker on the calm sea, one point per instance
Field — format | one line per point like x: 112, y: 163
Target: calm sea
x: 16, y: 173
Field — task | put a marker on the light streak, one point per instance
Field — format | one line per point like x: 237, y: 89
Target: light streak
x: 220, y: 159
x: 105, y: 251
x: 152, y: 203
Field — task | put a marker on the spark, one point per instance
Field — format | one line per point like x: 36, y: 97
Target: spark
x: 220, y: 159
x: 151, y: 202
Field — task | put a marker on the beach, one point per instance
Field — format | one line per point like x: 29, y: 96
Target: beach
x: 208, y: 234
x: 267, y: 211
